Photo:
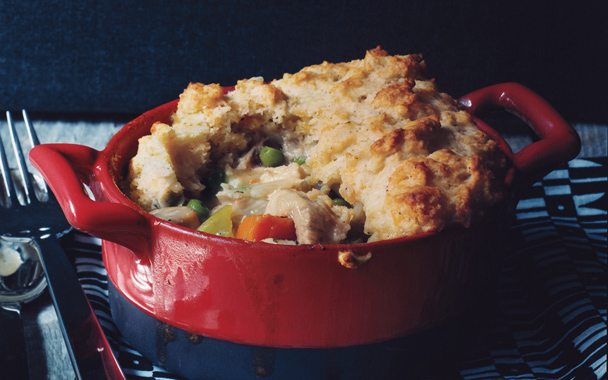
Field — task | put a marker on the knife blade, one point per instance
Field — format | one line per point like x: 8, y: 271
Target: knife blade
x: 88, y: 348
x: 13, y: 351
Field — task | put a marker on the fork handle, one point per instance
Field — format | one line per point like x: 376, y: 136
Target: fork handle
x: 86, y: 343
x: 66, y: 167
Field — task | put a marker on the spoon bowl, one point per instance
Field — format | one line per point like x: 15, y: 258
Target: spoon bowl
x: 27, y: 280
x: 22, y: 280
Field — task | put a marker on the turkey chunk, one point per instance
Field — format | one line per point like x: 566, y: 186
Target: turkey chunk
x: 315, y: 222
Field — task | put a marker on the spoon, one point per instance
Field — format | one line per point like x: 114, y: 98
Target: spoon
x: 21, y: 280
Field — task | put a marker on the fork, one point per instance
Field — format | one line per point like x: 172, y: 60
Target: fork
x: 43, y: 221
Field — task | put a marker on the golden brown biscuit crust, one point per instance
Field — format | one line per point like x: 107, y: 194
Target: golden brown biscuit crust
x: 375, y: 130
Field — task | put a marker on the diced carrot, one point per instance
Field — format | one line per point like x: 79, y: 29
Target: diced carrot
x: 260, y: 227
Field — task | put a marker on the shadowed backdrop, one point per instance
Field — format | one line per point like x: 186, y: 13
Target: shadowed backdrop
x: 116, y: 57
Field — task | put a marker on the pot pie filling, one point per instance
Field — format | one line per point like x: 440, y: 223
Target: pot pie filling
x: 351, y: 152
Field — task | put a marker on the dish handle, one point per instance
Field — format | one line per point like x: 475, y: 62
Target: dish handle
x: 558, y: 143
x: 66, y: 167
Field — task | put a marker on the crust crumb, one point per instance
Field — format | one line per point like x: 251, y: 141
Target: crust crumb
x: 352, y: 261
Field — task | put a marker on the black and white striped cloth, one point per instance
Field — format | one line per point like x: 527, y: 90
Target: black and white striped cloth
x: 549, y: 317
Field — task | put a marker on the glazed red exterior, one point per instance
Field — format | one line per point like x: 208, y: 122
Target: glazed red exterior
x: 290, y: 296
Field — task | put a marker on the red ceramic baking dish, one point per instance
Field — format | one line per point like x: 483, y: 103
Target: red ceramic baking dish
x: 292, y: 296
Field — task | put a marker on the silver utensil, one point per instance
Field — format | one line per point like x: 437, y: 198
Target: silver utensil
x: 40, y: 220
x: 21, y: 280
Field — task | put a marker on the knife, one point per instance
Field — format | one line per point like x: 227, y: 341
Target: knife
x: 88, y: 348
x: 13, y: 352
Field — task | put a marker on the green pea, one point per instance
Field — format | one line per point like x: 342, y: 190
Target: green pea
x: 271, y: 156
x: 300, y: 160
x: 215, y: 180
x: 340, y: 202
x: 201, y: 210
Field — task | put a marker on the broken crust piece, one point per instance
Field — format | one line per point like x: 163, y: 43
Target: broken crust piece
x: 376, y: 131
x: 350, y: 260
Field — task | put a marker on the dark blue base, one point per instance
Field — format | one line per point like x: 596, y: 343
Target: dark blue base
x: 423, y: 354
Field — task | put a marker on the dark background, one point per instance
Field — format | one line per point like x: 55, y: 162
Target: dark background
x: 124, y: 57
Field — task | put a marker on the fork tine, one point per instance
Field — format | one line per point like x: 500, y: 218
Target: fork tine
x: 7, y: 179
x: 28, y: 188
x: 31, y: 132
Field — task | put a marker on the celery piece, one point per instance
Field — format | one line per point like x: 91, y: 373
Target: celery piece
x: 219, y: 223
x: 300, y: 160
